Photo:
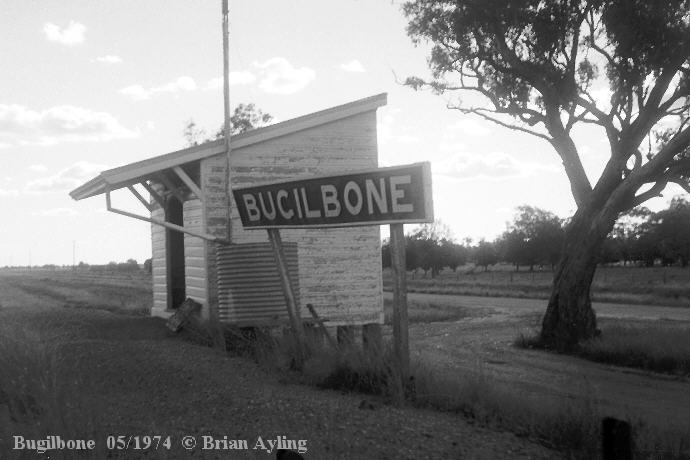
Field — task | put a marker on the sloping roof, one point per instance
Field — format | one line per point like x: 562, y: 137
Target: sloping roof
x: 133, y: 173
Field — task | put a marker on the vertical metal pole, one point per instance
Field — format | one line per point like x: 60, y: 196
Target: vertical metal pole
x: 400, y: 332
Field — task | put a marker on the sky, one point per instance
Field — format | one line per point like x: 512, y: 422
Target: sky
x: 88, y: 85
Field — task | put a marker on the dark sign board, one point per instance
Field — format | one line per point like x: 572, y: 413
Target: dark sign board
x: 399, y: 194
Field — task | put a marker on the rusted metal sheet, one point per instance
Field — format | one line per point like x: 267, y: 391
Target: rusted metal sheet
x: 249, y: 286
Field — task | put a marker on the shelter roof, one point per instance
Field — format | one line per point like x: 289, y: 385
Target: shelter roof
x: 148, y: 169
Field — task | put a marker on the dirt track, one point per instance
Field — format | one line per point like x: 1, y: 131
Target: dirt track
x: 485, y: 345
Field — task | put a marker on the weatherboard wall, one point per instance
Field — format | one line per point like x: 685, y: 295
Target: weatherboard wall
x: 158, y: 265
x: 194, y: 252
x: 339, y: 269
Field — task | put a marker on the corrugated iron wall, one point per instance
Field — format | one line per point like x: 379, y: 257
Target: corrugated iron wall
x: 249, y: 287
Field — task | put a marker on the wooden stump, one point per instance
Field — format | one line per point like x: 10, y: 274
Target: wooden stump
x: 372, y: 339
x: 616, y: 439
x: 346, y: 335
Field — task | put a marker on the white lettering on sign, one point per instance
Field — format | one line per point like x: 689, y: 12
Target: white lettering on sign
x: 397, y: 194
x: 376, y: 195
x: 311, y: 214
x: 352, y: 208
x: 331, y: 205
x: 250, y: 204
x: 280, y: 196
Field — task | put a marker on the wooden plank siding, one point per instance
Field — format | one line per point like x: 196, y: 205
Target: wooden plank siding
x: 159, y: 266
x: 339, y: 269
x: 195, y: 265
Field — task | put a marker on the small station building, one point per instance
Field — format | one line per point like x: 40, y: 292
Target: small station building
x: 201, y: 251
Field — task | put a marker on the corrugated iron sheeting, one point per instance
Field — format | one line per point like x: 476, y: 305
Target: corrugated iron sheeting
x: 249, y: 287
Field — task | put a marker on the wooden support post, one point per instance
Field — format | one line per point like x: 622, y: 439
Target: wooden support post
x: 143, y: 200
x: 616, y: 439
x: 165, y: 180
x: 154, y: 194
x: 372, y: 340
x: 189, y: 182
x: 323, y: 328
x: 346, y: 335
x: 401, y: 344
x: 293, y: 312
x: 313, y: 334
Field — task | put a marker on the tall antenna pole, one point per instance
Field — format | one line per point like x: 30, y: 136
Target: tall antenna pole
x: 214, y: 306
x: 226, y: 76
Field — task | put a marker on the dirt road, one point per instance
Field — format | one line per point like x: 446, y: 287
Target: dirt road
x: 484, y: 345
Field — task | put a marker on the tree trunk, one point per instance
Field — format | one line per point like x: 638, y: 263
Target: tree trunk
x: 569, y: 317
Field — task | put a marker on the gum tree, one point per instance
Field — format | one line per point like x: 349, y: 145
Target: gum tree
x: 538, y: 67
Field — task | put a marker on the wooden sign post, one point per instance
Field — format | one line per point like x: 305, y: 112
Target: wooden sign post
x: 395, y: 196
x: 288, y: 291
x: 401, y: 345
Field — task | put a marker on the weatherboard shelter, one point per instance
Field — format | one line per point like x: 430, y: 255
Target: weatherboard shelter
x: 201, y: 250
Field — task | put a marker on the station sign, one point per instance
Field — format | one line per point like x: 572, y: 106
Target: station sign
x: 398, y: 194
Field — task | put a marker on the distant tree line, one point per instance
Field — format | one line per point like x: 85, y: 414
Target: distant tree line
x: 535, y: 238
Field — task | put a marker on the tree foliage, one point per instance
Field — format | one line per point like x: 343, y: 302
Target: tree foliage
x: 244, y: 118
x: 534, y: 238
x: 537, y: 67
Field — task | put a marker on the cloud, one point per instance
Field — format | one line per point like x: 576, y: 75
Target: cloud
x: 38, y: 168
x: 467, y: 166
x: 65, y: 179
x: 353, y: 66
x: 278, y: 76
x: 63, y: 123
x: 4, y: 192
x: 138, y: 92
x: 243, y: 77
x: 73, y: 34
x: 109, y: 59
x: 56, y: 212
x: 494, y: 166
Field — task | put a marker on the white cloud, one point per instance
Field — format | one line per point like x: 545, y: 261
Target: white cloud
x: 66, y: 179
x: 495, y: 165
x: 73, y: 34
x: 4, y: 192
x: 467, y: 166
x: 138, y: 92
x: 353, y: 66
x: 63, y: 123
x: 38, y: 168
x: 56, y: 212
x: 243, y: 77
x: 109, y: 59
x: 278, y: 76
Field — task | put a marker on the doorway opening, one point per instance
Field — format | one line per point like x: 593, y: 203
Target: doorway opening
x: 175, y: 254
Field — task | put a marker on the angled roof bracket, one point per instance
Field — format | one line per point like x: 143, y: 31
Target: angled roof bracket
x: 170, y: 186
x: 162, y: 223
x: 189, y: 182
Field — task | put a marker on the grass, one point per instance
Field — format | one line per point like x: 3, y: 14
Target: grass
x: 41, y: 397
x: 429, y: 312
x: 38, y: 394
x: 657, y: 346
x: 652, y: 286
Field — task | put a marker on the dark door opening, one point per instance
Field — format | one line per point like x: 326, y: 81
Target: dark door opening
x: 175, y: 254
